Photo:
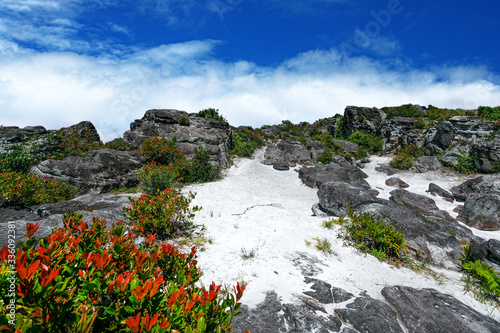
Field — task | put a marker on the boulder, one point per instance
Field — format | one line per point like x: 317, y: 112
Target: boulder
x: 99, y: 170
x: 426, y: 163
x: 439, y: 138
x: 471, y: 127
x: 400, y: 131
x: 387, y: 169
x: 341, y: 171
x: 288, y: 151
x: 436, y: 190
x: 482, y: 184
x: 454, y: 152
x: 428, y: 310
x: 321, y: 291
x: 347, y: 147
x: 336, y: 197
x: 14, y: 134
x: 362, y: 119
x: 396, y: 182
x: 435, y: 240
x: 481, y: 211
x: 212, y: 135
x: 486, y: 155
x: 281, y: 166
x: 84, y: 128
x: 419, y: 204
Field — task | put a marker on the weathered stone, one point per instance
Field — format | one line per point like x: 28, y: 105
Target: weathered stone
x: 426, y: 163
x: 347, y: 147
x: 209, y: 134
x: 337, y: 197
x: 471, y: 127
x: 288, y: 152
x: 341, y: 171
x: 307, y: 264
x: 340, y: 295
x: 482, y: 184
x: 316, y: 209
x: 366, y: 314
x: 387, y: 169
x: 362, y: 119
x: 419, y: 204
x: 322, y: 291
x: 456, y: 151
x: 14, y: 134
x: 427, y: 310
x: 481, y: 211
x: 281, y: 166
x: 396, y: 182
x: 400, y: 131
x: 84, y: 128
x: 439, y: 138
x: 486, y: 155
x: 99, y: 170
x: 436, y: 190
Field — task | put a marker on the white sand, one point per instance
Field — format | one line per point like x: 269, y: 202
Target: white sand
x: 256, y: 209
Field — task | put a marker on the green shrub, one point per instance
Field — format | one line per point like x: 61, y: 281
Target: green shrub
x: 184, y: 121
x: 436, y: 114
x: 154, y: 177
x: 420, y: 123
x: 370, y: 234
x: 406, y: 157
x: 489, y: 113
x: 164, y: 214
x: 465, y: 163
x: 481, y: 279
x: 19, y: 189
x: 118, y: 144
x: 161, y: 151
x: 19, y: 158
x: 406, y: 110
x: 65, y: 143
x: 245, y: 141
x: 339, y: 129
x: 86, y: 278
x: 200, y: 169
x: 325, y: 157
x: 211, y: 113
x: 368, y: 144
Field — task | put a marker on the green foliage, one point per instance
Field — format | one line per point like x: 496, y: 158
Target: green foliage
x: 420, y: 123
x: 199, y: 168
x: 118, y: 144
x: 19, y: 189
x: 407, y: 157
x: 184, y: 121
x: 154, y: 177
x: 323, y: 245
x: 164, y: 214
x: 368, y: 144
x: 65, y: 143
x: 325, y: 157
x: 339, y: 129
x: 161, y: 150
x: 406, y: 110
x: 88, y: 278
x: 370, y: 234
x: 437, y: 114
x: 479, y: 275
x: 465, y: 163
x: 19, y: 158
x: 489, y: 113
x: 211, y: 113
x: 245, y: 141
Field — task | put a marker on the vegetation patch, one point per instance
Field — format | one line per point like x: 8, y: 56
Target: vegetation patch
x: 87, y: 278
x: 489, y: 113
x: 407, y: 110
x: 245, y: 140
x: 211, y: 113
x: 406, y: 157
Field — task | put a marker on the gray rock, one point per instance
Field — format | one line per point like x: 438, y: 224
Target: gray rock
x: 288, y: 152
x: 14, y: 134
x: 340, y: 295
x: 316, y: 209
x: 322, y: 291
x: 494, y: 251
x: 99, y: 170
x: 460, y: 149
x: 387, y: 169
x: 307, y: 264
x: 471, y: 127
x: 486, y: 155
x: 436, y: 190
x: 439, y: 138
x: 347, y: 147
x: 366, y: 314
x: 362, y: 119
x: 481, y: 211
x: 399, y: 131
x: 427, y: 310
x: 396, y: 182
x: 209, y: 134
x: 426, y: 163
x: 419, y: 204
x: 482, y: 184
x: 338, y: 170
x: 281, y: 166
x: 337, y: 197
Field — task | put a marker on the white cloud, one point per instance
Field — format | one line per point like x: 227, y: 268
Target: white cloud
x: 60, y: 89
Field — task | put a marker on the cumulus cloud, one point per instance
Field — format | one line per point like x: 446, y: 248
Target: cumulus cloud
x: 57, y: 89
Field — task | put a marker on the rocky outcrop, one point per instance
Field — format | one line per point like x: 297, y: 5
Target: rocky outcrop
x: 439, y: 138
x: 481, y: 211
x: 471, y: 127
x: 483, y: 184
x: 437, y: 190
x: 399, y: 131
x: 339, y: 171
x: 337, y: 197
x: 288, y: 151
x: 362, y: 119
x: 14, y: 134
x: 426, y: 163
x: 105, y: 206
x: 419, y: 204
x: 207, y: 133
x: 99, y: 170
x: 486, y: 155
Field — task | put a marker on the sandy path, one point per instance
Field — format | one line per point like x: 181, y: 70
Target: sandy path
x: 258, y: 210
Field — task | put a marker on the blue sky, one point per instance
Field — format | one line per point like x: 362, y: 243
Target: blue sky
x: 259, y: 62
